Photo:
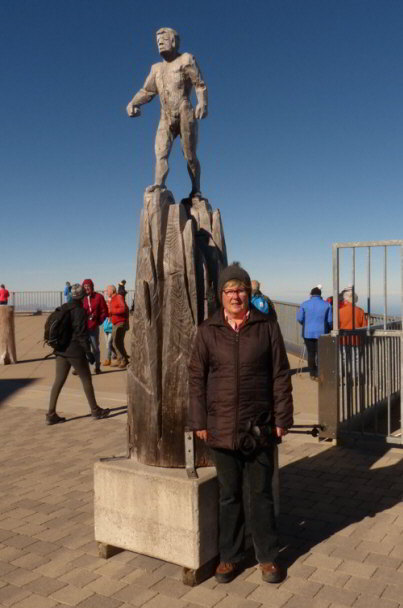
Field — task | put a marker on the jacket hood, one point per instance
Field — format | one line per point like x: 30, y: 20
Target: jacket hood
x: 88, y: 282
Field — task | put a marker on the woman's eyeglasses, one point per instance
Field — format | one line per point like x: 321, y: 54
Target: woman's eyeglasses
x: 235, y: 292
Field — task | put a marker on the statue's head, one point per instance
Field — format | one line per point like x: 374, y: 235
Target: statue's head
x: 167, y: 41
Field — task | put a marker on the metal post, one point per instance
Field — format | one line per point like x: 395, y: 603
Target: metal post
x: 369, y: 286
x: 401, y: 344
x: 385, y: 286
x: 190, y: 455
x: 353, y: 289
x: 335, y: 264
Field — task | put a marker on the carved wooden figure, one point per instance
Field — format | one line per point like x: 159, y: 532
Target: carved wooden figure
x: 173, y: 79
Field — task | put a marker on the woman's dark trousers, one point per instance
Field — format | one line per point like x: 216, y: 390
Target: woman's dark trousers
x: 312, y: 350
x: 63, y: 365
x: 233, y: 468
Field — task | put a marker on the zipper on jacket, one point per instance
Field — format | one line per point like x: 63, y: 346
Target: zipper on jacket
x: 237, y: 387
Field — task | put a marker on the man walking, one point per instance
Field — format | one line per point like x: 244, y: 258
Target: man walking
x: 77, y: 354
x: 241, y: 405
x: 316, y: 319
x: 97, y: 311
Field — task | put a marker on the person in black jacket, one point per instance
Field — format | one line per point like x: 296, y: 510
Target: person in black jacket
x: 122, y: 289
x: 241, y: 405
x: 77, y: 355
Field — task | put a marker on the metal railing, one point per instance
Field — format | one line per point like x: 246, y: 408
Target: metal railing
x: 369, y: 376
x: 361, y: 378
x: 290, y: 328
x: 46, y: 301
x: 360, y: 384
x: 35, y: 301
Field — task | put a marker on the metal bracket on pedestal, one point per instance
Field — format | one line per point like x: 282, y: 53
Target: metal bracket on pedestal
x: 190, y: 455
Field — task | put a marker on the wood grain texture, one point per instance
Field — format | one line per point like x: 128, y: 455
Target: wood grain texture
x: 178, y: 264
x: 8, y: 352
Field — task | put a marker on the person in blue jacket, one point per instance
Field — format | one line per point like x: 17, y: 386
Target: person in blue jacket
x: 66, y: 292
x: 260, y: 301
x: 315, y: 316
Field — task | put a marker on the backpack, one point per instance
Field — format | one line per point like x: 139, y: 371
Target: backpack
x: 58, y: 328
x: 264, y: 304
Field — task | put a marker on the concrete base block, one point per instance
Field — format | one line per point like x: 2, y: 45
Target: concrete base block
x: 157, y: 511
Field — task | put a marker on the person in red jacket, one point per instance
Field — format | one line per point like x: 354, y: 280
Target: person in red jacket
x: 4, y: 295
x: 97, y: 311
x: 119, y: 315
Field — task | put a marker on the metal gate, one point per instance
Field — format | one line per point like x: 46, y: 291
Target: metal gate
x: 360, y: 388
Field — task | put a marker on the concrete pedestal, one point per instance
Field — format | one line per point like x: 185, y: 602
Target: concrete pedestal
x: 157, y: 511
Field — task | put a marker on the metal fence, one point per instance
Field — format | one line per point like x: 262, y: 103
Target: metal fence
x: 360, y: 384
x: 290, y: 328
x: 369, y: 378
x: 360, y: 370
x: 34, y: 301
x: 46, y: 301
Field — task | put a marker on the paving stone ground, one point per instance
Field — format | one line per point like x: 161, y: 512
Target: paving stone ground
x: 341, y: 509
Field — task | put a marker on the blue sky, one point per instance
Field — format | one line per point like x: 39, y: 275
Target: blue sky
x: 302, y: 146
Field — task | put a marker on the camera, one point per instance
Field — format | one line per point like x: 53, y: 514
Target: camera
x: 257, y: 433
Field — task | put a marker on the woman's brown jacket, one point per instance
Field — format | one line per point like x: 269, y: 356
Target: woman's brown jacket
x: 236, y: 377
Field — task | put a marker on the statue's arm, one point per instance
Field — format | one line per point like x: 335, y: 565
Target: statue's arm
x: 145, y: 95
x: 200, y: 86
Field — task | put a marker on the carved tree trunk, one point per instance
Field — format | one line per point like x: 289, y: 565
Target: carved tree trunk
x: 181, y: 251
x: 7, y: 335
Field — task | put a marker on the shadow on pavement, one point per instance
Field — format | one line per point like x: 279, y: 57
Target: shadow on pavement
x: 44, y: 358
x: 109, y: 371
x: 298, y: 370
x: 115, y: 411
x: 8, y: 386
x: 326, y: 493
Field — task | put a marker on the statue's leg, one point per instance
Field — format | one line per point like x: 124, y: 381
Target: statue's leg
x: 189, y: 132
x: 163, y: 144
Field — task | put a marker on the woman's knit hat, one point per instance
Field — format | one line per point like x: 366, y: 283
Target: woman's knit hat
x: 234, y: 272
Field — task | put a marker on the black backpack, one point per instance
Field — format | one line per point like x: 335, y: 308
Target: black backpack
x: 58, y: 328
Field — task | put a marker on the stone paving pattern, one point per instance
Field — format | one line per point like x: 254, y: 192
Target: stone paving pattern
x: 341, y: 510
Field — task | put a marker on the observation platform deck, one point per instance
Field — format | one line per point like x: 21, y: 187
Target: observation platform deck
x: 341, y: 508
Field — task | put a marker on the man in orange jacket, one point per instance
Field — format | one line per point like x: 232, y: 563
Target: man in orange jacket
x: 119, y: 315
x: 348, y: 320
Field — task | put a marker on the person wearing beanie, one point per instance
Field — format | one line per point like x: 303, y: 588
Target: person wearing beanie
x: 315, y: 316
x: 260, y: 301
x: 97, y: 311
x: 241, y: 405
x: 76, y: 354
x: 122, y: 289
